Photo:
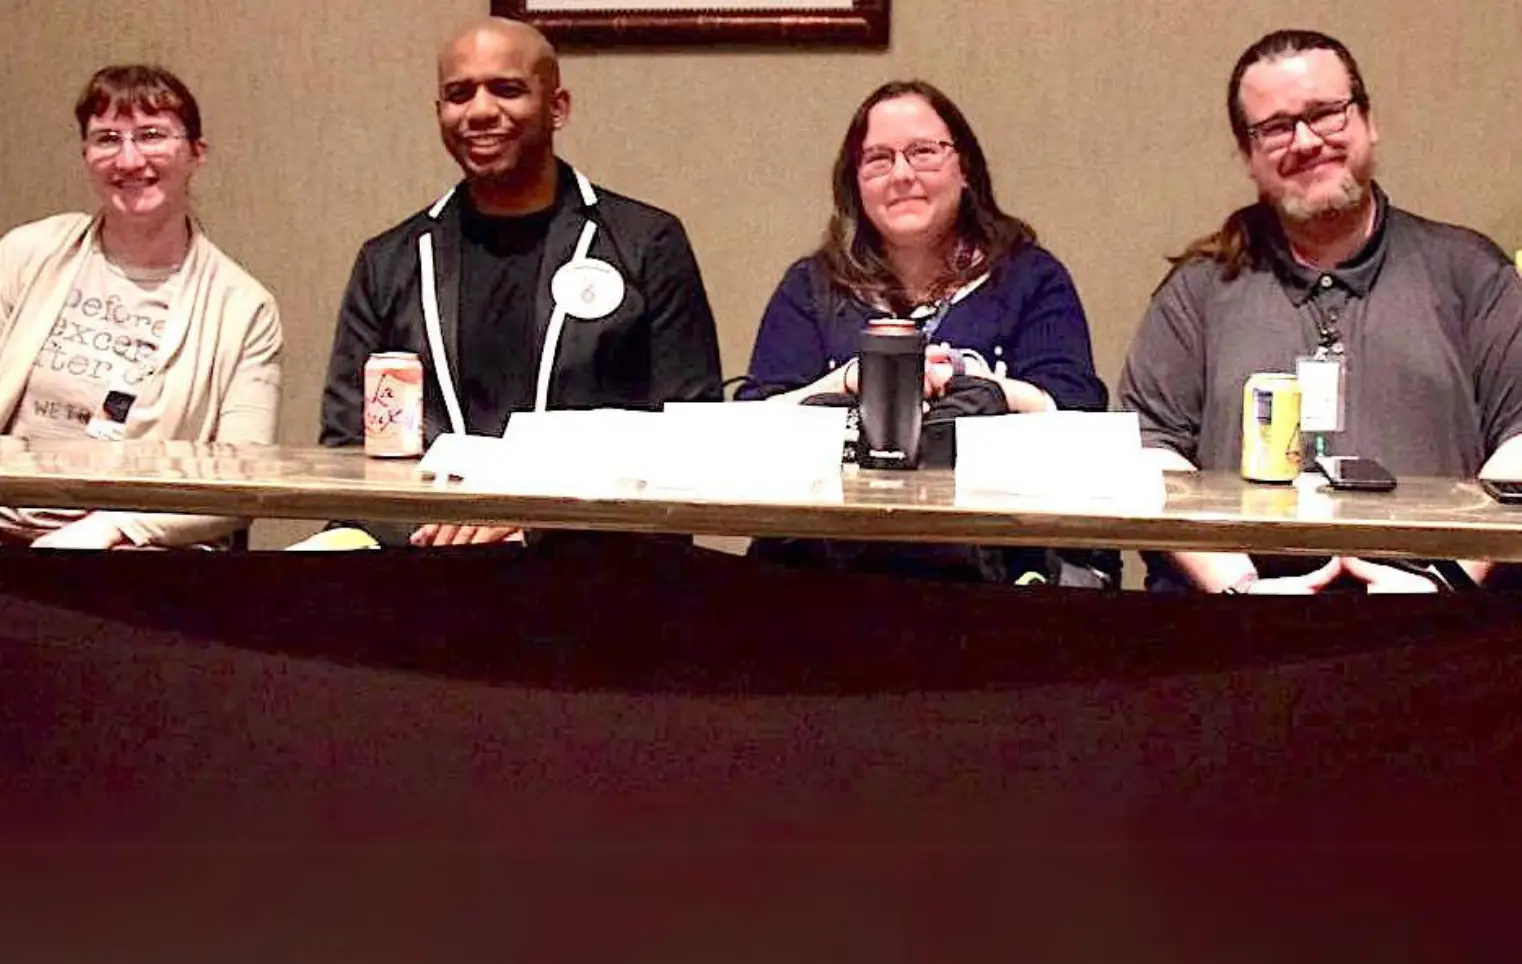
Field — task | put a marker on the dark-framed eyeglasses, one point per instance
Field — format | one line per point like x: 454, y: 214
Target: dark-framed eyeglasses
x: 1278, y: 131
x: 150, y: 141
x: 921, y: 155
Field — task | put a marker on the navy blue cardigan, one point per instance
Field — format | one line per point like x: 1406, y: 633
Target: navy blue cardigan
x: 1027, y: 314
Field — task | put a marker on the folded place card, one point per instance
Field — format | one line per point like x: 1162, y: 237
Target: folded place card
x: 455, y: 456
x: 1059, y: 461
x: 751, y: 451
x: 721, y: 451
x: 583, y: 454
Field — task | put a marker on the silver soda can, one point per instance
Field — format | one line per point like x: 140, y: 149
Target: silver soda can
x: 394, y: 405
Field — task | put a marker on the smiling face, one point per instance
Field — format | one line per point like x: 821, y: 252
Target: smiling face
x: 499, y: 104
x: 151, y: 186
x: 909, y: 208
x: 1313, y: 175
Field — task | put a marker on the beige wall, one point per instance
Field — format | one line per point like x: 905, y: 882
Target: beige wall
x: 1103, y: 120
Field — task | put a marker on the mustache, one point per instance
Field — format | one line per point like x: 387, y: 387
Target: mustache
x: 1295, y: 166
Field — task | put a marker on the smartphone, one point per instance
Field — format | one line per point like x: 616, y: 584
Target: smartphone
x: 1356, y: 473
x: 1506, y: 493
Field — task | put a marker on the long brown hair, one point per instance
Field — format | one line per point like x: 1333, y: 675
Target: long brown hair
x: 852, y: 255
x: 1239, y: 241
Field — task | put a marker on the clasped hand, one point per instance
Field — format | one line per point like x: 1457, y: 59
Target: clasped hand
x: 449, y: 534
x: 1376, y: 579
x: 941, y: 363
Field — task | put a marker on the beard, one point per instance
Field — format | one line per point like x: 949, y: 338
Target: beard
x: 1347, y: 196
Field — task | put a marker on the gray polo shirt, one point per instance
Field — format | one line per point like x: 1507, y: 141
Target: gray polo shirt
x: 1429, y: 316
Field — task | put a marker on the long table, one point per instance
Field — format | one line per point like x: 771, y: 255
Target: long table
x: 1424, y: 517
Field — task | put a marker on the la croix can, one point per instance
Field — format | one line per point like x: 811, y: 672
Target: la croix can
x: 393, y: 405
x: 1271, y: 427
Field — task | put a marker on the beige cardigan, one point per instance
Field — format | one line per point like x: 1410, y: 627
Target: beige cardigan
x: 218, y: 377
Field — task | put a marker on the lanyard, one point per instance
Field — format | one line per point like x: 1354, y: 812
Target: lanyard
x: 1329, y: 341
x: 941, y: 308
x: 934, y: 321
x: 1321, y: 376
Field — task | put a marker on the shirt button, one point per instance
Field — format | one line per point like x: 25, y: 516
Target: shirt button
x: 1326, y: 281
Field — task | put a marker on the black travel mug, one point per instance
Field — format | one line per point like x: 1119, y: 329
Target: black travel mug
x: 890, y: 390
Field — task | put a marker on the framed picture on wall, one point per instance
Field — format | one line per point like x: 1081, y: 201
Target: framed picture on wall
x: 601, y: 23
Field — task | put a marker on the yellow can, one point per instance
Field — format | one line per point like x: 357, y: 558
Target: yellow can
x: 1271, y: 427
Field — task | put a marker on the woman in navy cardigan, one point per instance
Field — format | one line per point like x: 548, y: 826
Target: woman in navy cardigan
x: 916, y: 233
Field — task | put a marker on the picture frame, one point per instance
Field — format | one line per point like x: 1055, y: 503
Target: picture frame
x: 625, y: 23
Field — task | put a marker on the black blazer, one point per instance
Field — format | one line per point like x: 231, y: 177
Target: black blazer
x: 659, y: 345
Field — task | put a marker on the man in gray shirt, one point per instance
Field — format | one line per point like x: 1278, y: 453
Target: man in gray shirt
x: 1425, y: 318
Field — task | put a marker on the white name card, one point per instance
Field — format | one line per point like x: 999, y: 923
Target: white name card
x: 453, y: 456
x: 749, y: 451
x: 1060, y: 460
x: 734, y: 451
x: 586, y: 454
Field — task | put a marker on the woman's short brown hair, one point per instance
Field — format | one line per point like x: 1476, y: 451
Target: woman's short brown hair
x: 144, y: 87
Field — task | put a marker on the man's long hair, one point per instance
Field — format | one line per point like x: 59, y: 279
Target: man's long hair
x: 852, y: 255
x: 1239, y: 241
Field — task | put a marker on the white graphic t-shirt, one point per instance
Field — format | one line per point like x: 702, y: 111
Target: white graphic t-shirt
x: 103, y: 342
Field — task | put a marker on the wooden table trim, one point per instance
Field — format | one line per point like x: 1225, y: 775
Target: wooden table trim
x: 1457, y: 520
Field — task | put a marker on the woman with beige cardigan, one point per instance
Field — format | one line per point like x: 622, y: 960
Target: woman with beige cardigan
x: 130, y: 323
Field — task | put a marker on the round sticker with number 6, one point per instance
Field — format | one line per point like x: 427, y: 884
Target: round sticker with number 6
x: 587, y: 289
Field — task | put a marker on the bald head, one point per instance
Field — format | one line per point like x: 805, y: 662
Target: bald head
x: 500, y: 103
x: 521, y: 41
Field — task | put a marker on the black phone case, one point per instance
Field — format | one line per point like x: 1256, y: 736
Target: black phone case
x: 1337, y: 480
x: 1361, y: 485
x: 1502, y: 496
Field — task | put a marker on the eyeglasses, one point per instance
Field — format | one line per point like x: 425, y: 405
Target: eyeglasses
x: 1277, y: 133
x: 921, y: 155
x: 150, y: 141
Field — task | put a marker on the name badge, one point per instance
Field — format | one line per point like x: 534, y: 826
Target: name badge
x: 587, y: 289
x: 110, y: 423
x: 1322, y: 387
